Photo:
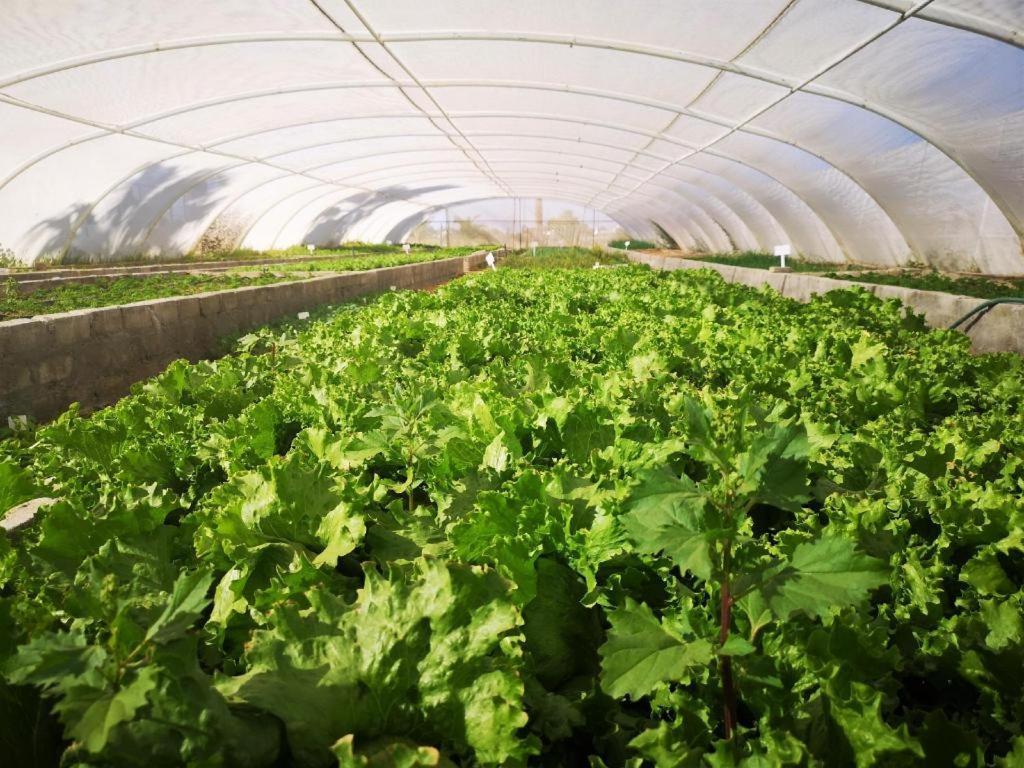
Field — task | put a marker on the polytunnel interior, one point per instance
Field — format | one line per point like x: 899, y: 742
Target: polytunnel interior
x: 883, y: 132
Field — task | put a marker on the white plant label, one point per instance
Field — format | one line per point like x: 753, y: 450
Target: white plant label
x: 782, y: 251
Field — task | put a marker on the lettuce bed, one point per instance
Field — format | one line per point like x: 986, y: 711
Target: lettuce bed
x: 125, y: 290
x: 564, y: 518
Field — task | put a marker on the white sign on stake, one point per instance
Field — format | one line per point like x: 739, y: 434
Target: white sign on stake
x: 534, y: 244
x: 782, y: 251
x: 406, y: 248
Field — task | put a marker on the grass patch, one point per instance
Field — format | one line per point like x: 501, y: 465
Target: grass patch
x: 344, y: 250
x: 757, y: 260
x: 361, y: 262
x: 978, y: 287
x: 561, y: 258
x: 123, y: 290
x: 634, y: 245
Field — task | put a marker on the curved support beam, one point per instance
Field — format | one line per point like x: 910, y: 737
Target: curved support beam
x: 402, y: 229
x: 89, y: 209
x: 229, y: 204
x: 551, y: 118
x: 257, y: 219
x: 574, y: 143
x: 597, y: 93
x: 668, y: 189
x: 174, y: 200
x: 413, y: 221
x: 720, y: 65
x: 284, y: 225
x: 790, y: 191
x: 543, y: 87
x: 624, y: 98
x: 949, y: 17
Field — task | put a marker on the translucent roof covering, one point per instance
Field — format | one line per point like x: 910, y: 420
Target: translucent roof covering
x: 879, y: 131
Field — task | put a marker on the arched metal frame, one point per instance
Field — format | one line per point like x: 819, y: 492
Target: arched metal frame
x: 669, y: 192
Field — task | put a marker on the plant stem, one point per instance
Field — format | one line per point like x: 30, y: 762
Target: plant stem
x: 725, y: 662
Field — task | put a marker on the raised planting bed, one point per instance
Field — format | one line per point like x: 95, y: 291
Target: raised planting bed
x: 93, y: 356
x: 65, y: 293
x: 609, y: 517
x: 213, y: 261
x: 978, y: 286
x: 1000, y: 329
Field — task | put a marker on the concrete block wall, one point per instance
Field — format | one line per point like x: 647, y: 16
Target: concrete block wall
x: 1001, y: 329
x: 93, y: 356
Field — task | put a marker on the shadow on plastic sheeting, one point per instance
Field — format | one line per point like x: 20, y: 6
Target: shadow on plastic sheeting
x: 332, y: 224
x: 121, y: 231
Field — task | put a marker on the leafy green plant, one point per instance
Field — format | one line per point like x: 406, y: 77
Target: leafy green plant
x: 707, y: 529
x: 560, y: 258
x: 553, y: 517
x: 8, y: 259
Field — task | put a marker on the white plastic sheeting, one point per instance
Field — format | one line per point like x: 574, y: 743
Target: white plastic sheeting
x: 879, y: 131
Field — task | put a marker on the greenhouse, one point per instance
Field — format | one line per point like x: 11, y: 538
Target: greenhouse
x: 569, y: 384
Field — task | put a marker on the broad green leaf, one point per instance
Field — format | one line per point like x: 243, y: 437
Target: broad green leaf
x: 667, y: 514
x: 701, y: 434
x: 823, y: 576
x: 425, y: 645
x: 1005, y: 620
x: 561, y: 635
x: 736, y: 645
x: 774, y: 466
x: 386, y: 754
x: 1015, y: 757
x: 985, y: 574
x: 16, y: 486
x: 758, y: 613
x: 55, y: 659
x: 496, y: 455
x: 665, y: 747
x: 187, y: 602
x: 94, y: 727
x: 341, y: 531
x: 863, y: 351
x: 641, y: 653
x: 860, y: 718
x: 227, y: 598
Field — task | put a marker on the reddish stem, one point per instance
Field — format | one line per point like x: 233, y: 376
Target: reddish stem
x: 725, y: 662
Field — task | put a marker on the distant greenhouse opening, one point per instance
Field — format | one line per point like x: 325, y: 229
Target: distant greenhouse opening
x: 517, y: 222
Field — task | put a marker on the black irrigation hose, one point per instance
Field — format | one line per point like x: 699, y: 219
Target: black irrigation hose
x: 985, y: 307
